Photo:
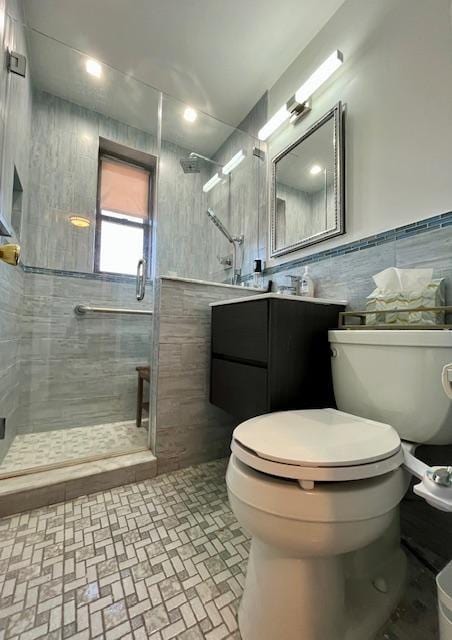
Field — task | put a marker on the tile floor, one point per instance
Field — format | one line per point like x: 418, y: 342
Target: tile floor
x: 32, y: 450
x: 160, y: 559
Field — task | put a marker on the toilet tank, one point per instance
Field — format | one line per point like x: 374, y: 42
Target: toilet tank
x: 395, y: 377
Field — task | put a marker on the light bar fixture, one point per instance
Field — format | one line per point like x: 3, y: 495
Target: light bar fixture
x: 210, y: 184
x: 233, y: 162
x: 302, y: 95
x: 321, y: 75
x: 274, y: 123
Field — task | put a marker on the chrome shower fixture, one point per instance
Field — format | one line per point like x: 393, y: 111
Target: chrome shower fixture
x: 192, y: 164
x: 217, y: 222
x: 236, y: 241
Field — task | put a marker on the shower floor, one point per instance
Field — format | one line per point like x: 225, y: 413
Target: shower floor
x: 32, y: 450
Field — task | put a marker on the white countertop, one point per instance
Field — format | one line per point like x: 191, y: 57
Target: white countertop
x: 280, y: 296
x: 210, y: 283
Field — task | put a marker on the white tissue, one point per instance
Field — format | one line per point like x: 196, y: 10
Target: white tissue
x: 404, y: 289
x: 410, y: 281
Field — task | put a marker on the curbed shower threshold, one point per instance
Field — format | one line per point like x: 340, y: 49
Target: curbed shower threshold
x: 40, y: 489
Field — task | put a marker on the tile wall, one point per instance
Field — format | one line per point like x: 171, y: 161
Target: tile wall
x: 79, y: 371
x: 187, y: 428
x: 11, y: 288
x: 15, y: 111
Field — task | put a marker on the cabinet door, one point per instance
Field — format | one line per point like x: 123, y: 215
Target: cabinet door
x: 239, y: 389
x: 239, y: 331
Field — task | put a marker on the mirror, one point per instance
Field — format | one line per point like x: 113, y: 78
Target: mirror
x: 308, y: 187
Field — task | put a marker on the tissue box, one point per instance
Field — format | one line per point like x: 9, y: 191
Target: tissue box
x: 406, y: 289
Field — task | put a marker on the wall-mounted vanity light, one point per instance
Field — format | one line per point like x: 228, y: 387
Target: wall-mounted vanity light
x: 225, y: 171
x: 210, y: 184
x: 233, y: 162
x: 297, y: 105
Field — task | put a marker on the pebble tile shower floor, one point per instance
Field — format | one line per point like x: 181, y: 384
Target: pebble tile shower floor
x: 31, y: 450
x: 161, y: 559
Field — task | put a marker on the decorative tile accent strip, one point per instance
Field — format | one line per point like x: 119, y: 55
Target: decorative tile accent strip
x: 82, y: 275
x: 399, y: 233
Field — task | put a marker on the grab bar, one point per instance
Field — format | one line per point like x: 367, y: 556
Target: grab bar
x: 83, y: 309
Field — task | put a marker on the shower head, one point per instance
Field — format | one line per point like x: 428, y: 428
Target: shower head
x: 192, y: 164
x: 217, y: 222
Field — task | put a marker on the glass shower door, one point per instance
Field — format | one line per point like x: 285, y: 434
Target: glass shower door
x: 81, y: 140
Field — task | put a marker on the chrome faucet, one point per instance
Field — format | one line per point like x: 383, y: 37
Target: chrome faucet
x: 293, y: 288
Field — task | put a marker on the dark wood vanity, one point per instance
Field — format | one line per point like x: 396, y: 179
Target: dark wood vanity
x: 271, y: 353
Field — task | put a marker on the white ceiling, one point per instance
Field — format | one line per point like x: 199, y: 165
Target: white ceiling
x: 60, y: 70
x: 218, y: 55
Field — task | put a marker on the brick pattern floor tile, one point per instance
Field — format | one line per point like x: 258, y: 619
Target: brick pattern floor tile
x: 160, y: 559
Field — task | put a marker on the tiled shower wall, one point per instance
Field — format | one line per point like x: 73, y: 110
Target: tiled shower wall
x: 76, y: 370
x: 15, y: 111
x: 11, y: 283
x: 63, y: 180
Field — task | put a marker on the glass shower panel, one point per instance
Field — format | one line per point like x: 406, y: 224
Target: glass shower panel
x: 207, y: 164
x: 72, y: 391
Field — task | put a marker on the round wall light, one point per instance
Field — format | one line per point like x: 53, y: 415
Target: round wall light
x: 79, y: 221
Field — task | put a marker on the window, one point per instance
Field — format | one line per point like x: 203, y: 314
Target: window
x: 123, y: 215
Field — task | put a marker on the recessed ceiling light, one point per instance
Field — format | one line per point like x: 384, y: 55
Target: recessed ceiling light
x: 93, y: 67
x: 315, y: 169
x: 79, y: 221
x: 190, y: 114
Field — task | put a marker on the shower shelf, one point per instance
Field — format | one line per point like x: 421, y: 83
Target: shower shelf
x: 82, y: 309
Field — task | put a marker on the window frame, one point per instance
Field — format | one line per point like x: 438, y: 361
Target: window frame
x: 146, y: 225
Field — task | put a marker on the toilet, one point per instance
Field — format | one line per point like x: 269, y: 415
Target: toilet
x: 319, y: 490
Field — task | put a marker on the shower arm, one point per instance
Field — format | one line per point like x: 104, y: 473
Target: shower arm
x: 193, y: 154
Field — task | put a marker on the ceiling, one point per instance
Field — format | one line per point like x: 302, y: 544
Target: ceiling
x: 219, y: 56
x: 60, y: 70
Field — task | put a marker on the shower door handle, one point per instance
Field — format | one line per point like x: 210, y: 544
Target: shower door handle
x: 141, y: 279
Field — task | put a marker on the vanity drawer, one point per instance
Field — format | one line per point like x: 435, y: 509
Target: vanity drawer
x: 240, y: 331
x: 240, y: 389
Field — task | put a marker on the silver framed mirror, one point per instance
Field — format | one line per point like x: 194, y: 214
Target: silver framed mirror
x: 307, y: 178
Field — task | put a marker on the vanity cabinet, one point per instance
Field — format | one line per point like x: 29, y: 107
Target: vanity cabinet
x: 271, y: 353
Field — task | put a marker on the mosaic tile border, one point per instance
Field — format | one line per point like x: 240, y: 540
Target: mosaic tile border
x: 398, y: 233
x: 81, y: 275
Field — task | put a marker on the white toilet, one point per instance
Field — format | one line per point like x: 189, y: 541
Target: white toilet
x: 319, y: 490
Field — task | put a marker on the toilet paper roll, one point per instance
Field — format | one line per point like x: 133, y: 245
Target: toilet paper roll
x: 446, y: 379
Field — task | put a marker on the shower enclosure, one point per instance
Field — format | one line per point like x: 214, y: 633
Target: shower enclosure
x: 101, y: 175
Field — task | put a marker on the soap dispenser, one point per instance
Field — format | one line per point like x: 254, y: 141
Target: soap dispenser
x: 307, y: 286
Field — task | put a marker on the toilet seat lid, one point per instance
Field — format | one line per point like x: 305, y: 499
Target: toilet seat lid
x: 317, y: 438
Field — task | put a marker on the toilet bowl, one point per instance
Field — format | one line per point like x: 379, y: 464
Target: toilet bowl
x: 319, y: 491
